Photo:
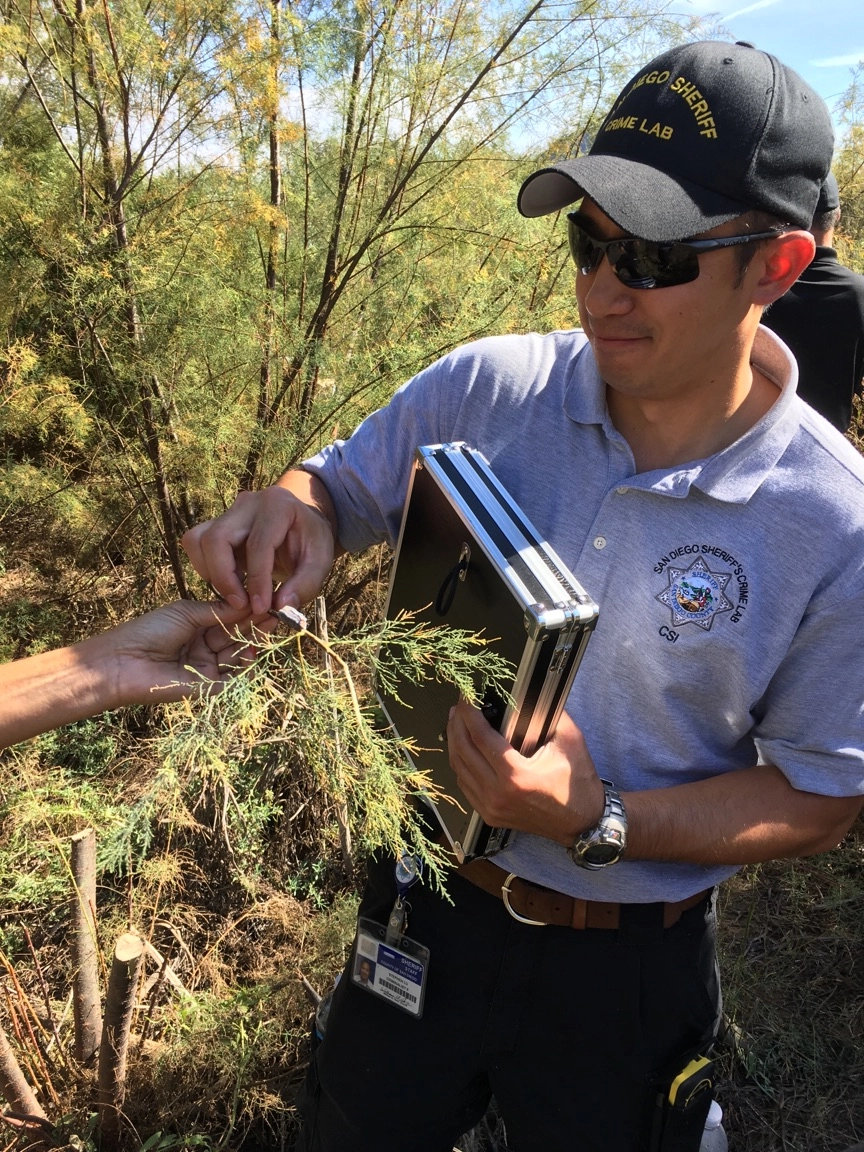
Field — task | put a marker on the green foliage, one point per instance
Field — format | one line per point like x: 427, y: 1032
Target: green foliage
x: 86, y: 748
x: 849, y: 171
x: 38, y: 410
x: 310, y: 882
x: 52, y: 787
x: 37, y: 818
x: 162, y: 1141
x: 217, y: 764
x: 406, y: 649
x: 178, y: 320
x: 28, y: 627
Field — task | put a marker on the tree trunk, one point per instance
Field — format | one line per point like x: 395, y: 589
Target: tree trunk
x: 86, y: 1002
x: 264, y: 413
x: 150, y: 389
x: 318, y: 327
x: 119, y: 1006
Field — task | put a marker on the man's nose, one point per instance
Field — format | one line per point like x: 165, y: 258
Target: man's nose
x: 603, y: 294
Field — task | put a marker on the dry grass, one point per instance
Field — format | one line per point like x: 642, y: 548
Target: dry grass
x: 226, y: 1063
x: 792, y: 957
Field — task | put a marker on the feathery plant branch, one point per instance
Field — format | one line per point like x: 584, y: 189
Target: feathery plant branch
x: 323, y: 729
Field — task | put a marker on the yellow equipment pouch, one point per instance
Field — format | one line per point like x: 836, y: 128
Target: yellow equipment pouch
x: 682, y: 1108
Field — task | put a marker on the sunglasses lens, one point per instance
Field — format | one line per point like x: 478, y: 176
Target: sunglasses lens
x: 586, y: 254
x: 640, y: 264
x: 653, y: 264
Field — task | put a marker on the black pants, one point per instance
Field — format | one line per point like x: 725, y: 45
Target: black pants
x: 570, y: 1030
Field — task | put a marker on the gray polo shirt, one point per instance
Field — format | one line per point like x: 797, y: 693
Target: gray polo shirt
x: 731, y: 589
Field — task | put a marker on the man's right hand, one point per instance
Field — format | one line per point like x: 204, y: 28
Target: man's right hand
x: 267, y: 536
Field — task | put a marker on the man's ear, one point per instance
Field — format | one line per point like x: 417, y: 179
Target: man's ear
x: 782, y: 262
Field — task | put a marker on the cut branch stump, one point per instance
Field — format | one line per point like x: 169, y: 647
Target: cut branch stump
x: 119, y: 1007
x: 85, y: 1000
x: 13, y: 1084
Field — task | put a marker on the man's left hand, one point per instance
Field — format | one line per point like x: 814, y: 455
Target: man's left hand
x: 555, y: 793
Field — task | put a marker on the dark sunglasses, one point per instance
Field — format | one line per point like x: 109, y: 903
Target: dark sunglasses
x: 648, y: 263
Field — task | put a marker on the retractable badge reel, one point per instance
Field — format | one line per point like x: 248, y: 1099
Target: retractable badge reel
x: 387, y: 962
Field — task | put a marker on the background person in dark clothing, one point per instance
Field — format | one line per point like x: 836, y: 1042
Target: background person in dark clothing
x: 821, y: 318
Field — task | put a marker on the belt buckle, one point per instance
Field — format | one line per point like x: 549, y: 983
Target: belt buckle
x: 505, y: 896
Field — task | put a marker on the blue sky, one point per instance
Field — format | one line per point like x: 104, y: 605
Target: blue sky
x: 821, y: 39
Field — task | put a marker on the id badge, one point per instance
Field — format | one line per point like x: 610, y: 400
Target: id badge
x: 393, y: 969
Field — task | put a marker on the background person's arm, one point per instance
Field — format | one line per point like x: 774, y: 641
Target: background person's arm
x: 143, y: 661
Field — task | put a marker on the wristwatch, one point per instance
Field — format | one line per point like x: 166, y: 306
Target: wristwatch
x: 604, y: 844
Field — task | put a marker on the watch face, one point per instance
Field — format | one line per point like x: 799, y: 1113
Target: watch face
x: 601, y: 854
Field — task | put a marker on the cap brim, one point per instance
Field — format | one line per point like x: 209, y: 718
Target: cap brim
x: 639, y: 198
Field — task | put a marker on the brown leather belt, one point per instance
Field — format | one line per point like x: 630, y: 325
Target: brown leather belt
x: 532, y: 904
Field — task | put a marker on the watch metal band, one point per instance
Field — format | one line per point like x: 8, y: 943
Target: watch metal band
x: 604, y: 844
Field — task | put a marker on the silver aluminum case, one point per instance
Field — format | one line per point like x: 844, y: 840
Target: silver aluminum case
x: 464, y: 538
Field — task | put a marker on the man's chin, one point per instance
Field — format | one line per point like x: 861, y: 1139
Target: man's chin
x: 626, y: 377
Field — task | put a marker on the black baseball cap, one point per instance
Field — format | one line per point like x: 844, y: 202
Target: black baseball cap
x: 703, y: 133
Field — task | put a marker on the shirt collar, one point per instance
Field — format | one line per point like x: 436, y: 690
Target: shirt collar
x: 732, y: 475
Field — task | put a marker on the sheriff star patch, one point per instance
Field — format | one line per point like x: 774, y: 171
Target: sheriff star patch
x: 695, y: 595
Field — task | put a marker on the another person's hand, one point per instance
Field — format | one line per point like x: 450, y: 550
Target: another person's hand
x: 164, y: 655
x: 172, y: 650
x: 555, y: 793
x: 266, y: 536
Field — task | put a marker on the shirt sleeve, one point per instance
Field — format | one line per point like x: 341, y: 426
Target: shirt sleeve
x: 367, y: 475
x: 812, y: 727
x: 475, y: 393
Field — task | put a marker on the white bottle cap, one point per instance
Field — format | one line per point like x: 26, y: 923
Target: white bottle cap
x: 715, y: 1117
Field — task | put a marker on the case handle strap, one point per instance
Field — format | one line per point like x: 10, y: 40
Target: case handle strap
x: 447, y: 591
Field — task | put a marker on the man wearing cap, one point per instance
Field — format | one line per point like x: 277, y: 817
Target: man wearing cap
x: 717, y: 717
x: 821, y: 318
